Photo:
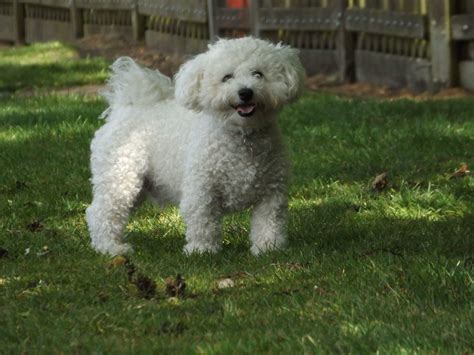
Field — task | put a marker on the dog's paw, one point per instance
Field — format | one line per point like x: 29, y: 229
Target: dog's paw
x: 196, y: 248
x: 113, y: 249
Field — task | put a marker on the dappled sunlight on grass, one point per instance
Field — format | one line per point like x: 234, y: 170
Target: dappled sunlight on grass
x: 149, y: 218
x: 344, y: 139
x: 39, y: 54
x: 365, y: 270
x: 52, y: 65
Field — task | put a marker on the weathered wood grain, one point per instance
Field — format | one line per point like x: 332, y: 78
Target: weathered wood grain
x: 442, y: 55
x: 466, y: 74
x: 386, y: 22
x: 7, y: 26
x: 186, y: 10
x: 38, y: 30
x: 462, y: 27
x: 393, y: 71
x: 173, y: 44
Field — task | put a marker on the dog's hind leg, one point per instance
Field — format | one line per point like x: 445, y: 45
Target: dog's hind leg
x: 116, y: 187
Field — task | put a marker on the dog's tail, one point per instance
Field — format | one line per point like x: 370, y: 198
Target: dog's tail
x: 132, y: 85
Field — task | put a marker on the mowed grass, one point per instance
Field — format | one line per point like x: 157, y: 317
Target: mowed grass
x: 365, y: 271
x: 46, y: 66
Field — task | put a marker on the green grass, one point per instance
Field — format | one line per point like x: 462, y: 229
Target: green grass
x: 364, y: 272
x: 48, y: 65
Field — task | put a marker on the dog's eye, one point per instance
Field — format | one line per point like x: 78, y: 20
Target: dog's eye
x: 227, y: 77
x: 257, y: 74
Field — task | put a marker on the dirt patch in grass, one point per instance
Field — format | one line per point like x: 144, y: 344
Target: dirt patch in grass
x: 113, y: 46
x: 91, y: 89
x: 329, y: 84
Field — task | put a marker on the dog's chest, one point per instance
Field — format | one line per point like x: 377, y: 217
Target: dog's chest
x: 245, y: 171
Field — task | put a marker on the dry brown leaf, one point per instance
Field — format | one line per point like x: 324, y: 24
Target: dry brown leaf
x: 145, y: 285
x: 461, y: 172
x: 380, y: 182
x: 117, y: 262
x: 35, y: 226
x: 175, y: 287
x: 295, y: 266
x: 320, y: 291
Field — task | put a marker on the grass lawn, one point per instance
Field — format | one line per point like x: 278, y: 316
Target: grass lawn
x: 365, y: 271
x: 46, y: 66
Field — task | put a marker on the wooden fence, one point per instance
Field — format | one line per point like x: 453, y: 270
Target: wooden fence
x: 419, y: 44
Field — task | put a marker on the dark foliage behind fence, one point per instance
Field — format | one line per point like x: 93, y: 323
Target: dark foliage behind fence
x: 420, y: 44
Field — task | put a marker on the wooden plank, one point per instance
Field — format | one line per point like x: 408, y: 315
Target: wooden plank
x: 371, y: 67
x: 211, y: 19
x: 186, y: 10
x: 319, y: 61
x: 345, y: 44
x: 254, y: 18
x: 386, y: 23
x: 466, y: 6
x: 77, y: 20
x: 104, y: 4
x: 38, y: 30
x: 173, y: 44
x: 470, y: 50
x: 312, y: 18
x: 19, y: 16
x: 466, y: 74
x: 7, y: 28
x: 232, y: 19
x: 462, y: 27
x: 125, y: 31
x: 442, y: 55
x: 138, y: 23
x: 51, y: 3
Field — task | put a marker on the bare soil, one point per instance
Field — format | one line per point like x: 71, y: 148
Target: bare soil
x: 112, y: 47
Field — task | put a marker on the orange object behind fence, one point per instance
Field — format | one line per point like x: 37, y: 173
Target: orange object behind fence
x: 236, y: 4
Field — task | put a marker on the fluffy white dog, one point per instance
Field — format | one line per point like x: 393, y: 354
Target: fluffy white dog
x: 209, y: 143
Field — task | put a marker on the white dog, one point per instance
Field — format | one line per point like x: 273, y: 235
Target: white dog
x: 209, y: 143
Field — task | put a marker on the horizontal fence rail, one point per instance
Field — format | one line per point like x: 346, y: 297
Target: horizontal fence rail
x: 419, y: 44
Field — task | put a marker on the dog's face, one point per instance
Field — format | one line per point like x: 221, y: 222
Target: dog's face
x: 241, y: 80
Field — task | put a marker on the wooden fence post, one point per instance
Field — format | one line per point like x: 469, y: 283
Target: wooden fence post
x: 77, y: 20
x: 138, y: 23
x: 344, y: 44
x: 442, y: 56
x: 19, y: 18
x: 254, y: 19
x: 211, y: 20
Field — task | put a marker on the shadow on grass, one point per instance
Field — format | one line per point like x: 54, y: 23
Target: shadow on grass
x: 326, y: 229
x: 331, y: 140
x: 67, y: 73
x: 49, y: 112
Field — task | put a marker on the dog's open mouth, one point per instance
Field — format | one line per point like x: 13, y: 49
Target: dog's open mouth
x: 245, y: 110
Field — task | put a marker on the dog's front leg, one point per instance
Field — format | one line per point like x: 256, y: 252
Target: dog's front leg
x: 202, y: 216
x: 269, y: 221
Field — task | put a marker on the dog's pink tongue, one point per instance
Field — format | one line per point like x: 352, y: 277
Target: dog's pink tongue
x: 245, y: 108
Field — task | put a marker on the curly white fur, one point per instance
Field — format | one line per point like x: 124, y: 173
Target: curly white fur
x: 204, y: 148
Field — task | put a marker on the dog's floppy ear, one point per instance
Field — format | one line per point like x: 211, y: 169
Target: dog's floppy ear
x: 293, y: 71
x: 188, y: 82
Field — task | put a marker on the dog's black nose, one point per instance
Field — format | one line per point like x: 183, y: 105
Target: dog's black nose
x: 246, y: 94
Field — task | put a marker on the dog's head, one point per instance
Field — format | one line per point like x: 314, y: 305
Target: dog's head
x: 243, y: 80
